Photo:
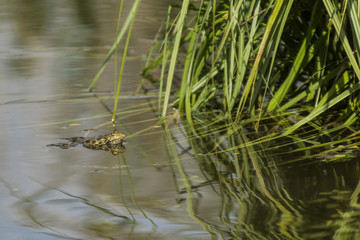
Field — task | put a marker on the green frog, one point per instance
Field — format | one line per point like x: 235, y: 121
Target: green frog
x: 112, y: 142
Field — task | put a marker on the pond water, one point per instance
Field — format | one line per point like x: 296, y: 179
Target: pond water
x: 50, y: 52
x: 166, y: 185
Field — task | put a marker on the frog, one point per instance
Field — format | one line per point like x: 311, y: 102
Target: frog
x: 112, y: 142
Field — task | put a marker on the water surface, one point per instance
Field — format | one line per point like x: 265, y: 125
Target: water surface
x: 170, y: 183
x: 50, y: 52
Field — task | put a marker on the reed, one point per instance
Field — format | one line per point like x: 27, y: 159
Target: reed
x: 265, y: 85
x: 253, y: 59
x: 249, y: 170
x: 126, y: 26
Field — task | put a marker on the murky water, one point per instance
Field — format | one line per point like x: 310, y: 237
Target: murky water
x: 50, y: 51
x: 168, y: 184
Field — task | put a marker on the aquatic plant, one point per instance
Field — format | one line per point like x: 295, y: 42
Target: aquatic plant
x: 280, y: 188
x: 264, y: 84
x: 127, y: 25
x: 253, y: 59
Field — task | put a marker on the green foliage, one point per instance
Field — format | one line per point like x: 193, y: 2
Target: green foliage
x: 268, y: 185
x: 252, y: 73
x: 127, y: 25
x: 252, y: 59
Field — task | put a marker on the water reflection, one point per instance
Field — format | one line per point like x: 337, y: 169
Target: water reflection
x: 50, y: 51
x: 302, y: 198
x: 214, y: 181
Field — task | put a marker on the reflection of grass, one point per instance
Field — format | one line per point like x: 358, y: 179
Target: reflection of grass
x: 263, y: 84
x: 133, y: 198
x: 190, y: 200
x: 243, y: 167
x: 34, y: 215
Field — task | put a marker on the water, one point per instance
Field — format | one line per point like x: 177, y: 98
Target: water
x: 50, y: 52
x: 168, y: 184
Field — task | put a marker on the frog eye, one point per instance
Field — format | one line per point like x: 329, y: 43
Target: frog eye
x: 114, y: 132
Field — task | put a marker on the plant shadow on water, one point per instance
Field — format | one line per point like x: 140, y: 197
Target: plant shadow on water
x: 233, y: 181
x: 78, y: 193
x: 268, y: 186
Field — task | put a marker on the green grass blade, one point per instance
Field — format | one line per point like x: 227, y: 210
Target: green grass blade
x: 117, y: 93
x: 341, y: 32
x: 114, y: 46
x: 324, y: 105
x: 276, y: 16
x: 164, y: 61
x: 178, y: 28
x: 303, y: 55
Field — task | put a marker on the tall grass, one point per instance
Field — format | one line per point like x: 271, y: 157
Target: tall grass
x: 252, y: 59
x: 264, y: 84
x: 127, y: 25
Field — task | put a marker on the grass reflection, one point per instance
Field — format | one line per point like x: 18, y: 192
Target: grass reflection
x: 266, y: 189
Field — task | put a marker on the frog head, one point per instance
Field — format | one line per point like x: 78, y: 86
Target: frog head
x: 116, y: 138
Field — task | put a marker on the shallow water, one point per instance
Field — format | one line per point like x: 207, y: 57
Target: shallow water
x: 189, y: 187
x: 50, y: 52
